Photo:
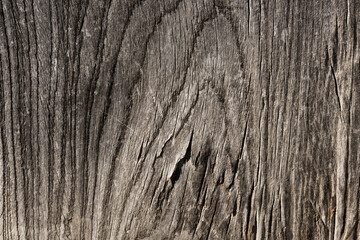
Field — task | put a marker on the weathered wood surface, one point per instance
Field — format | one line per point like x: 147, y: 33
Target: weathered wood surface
x: 187, y: 119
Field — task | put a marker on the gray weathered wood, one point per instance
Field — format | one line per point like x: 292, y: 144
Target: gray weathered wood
x: 179, y: 119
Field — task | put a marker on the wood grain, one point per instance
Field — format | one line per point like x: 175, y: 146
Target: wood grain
x: 179, y: 119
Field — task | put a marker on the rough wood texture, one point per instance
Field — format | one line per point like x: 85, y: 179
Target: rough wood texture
x: 186, y: 119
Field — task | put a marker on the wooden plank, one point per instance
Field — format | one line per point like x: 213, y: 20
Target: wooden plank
x: 179, y: 119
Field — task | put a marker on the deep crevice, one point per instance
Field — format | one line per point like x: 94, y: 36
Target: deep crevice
x: 177, y: 172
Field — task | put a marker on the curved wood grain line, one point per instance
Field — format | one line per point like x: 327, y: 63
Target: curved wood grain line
x: 89, y: 102
x: 174, y: 99
x: 107, y: 103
